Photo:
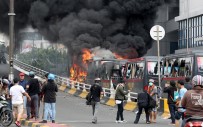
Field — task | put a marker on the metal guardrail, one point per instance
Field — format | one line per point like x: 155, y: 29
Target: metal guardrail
x: 108, y: 92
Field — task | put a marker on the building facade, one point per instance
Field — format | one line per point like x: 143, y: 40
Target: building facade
x: 190, y: 20
x: 166, y: 18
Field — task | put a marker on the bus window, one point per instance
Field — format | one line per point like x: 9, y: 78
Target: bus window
x: 178, y: 67
x: 135, y: 70
x: 200, y: 64
x: 152, y: 67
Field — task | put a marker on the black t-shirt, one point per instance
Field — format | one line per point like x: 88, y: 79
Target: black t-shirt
x: 34, y: 87
x: 170, y: 90
x: 188, y: 86
x: 49, y: 91
x: 96, y: 92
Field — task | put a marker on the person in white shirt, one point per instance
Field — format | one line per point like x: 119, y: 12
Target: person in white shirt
x: 16, y: 94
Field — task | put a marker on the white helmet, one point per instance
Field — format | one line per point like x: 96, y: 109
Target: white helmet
x: 5, y: 81
x: 197, y: 80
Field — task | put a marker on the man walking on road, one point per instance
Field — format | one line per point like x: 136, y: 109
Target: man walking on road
x: 16, y: 93
x: 33, y: 91
x: 49, y: 91
x: 23, y: 83
x: 142, y: 102
x: 96, y: 92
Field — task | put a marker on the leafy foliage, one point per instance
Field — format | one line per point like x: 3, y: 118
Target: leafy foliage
x: 50, y: 60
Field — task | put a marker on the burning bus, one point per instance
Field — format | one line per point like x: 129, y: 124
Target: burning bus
x: 135, y: 72
x: 180, y: 65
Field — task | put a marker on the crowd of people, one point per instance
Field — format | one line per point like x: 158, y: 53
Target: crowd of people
x: 24, y: 96
x: 185, y: 99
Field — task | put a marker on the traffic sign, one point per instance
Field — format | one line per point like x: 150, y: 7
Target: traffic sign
x: 157, y: 32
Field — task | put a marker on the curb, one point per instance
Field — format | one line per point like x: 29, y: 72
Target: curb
x: 31, y: 124
x: 36, y: 124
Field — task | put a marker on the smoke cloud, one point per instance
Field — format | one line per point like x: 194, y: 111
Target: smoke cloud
x: 121, y: 26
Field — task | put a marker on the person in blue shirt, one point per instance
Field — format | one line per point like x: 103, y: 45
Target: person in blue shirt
x: 23, y: 83
x: 180, y: 111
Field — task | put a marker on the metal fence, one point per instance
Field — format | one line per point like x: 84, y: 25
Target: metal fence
x: 70, y: 83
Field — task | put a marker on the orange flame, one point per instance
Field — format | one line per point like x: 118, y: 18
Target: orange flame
x: 86, y: 56
x: 78, y: 73
x: 117, y: 56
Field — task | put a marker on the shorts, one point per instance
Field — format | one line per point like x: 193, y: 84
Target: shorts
x: 18, y: 108
x: 154, y: 109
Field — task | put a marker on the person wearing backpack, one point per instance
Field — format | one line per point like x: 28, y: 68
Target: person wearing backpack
x: 96, y: 92
x: 142, y: 102
x: 171, y: 90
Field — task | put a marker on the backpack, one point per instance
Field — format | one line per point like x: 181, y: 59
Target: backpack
x: 88, y: 99
x: 159, y: 91
x: 142, y: 99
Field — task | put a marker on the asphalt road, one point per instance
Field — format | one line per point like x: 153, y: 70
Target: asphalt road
x: 72, y: 111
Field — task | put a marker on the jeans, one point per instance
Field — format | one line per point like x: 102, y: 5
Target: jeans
x: 24, y: 101
x: 140, y: 112
x: 49, y: 110
x: 120, y: 111
x: 34, y: 101
x: 172, y: 109
x: 95, y: 108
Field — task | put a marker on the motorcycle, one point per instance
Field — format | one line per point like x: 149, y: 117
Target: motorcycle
x: 194, y: 122
x: 3, y: 60
x: 6, y: 115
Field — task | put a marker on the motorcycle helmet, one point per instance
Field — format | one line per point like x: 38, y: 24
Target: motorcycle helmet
x: 197, y: 80
x: 5, y: 81
x: 51, y: 77
x: 31, y: 74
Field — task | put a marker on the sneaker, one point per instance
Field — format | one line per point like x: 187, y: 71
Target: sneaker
x: 117, y: 121
x: 172, y: 124
x: 18, y: 123
x: 148, y: 122
x: 43, y: 121
x: 122, y: 121
x: 53, y: 121
x: 135, y: 122
x: 28, y: 118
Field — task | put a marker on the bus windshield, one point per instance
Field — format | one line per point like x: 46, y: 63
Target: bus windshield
x: 135, y: 70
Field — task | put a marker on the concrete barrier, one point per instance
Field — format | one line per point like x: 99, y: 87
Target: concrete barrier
x: 164, y: 109
x: 63, y: 87
x: 130, y: 106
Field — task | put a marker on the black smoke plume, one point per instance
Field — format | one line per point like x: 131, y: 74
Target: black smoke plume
x: 121, y: 26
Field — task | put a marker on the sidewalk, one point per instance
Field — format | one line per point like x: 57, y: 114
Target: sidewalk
x: 33, y: 123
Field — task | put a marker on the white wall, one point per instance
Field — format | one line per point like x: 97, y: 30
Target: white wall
x: 190, y: 8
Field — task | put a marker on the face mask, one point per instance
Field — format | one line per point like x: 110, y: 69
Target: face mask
x: 150, y: 84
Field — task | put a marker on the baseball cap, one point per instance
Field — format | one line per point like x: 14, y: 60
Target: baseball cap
x: 151, y: 80
x: 21, y: 74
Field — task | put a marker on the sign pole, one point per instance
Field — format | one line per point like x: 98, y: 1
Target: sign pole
x: 157, y: 33
x: 158, y: 49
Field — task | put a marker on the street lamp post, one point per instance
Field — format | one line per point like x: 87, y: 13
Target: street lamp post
x: 11, y: 35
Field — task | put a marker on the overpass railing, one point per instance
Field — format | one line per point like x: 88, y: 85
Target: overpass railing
x: 108, y: 92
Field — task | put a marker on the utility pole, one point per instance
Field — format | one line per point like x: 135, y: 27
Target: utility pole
x: 11, y: 15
